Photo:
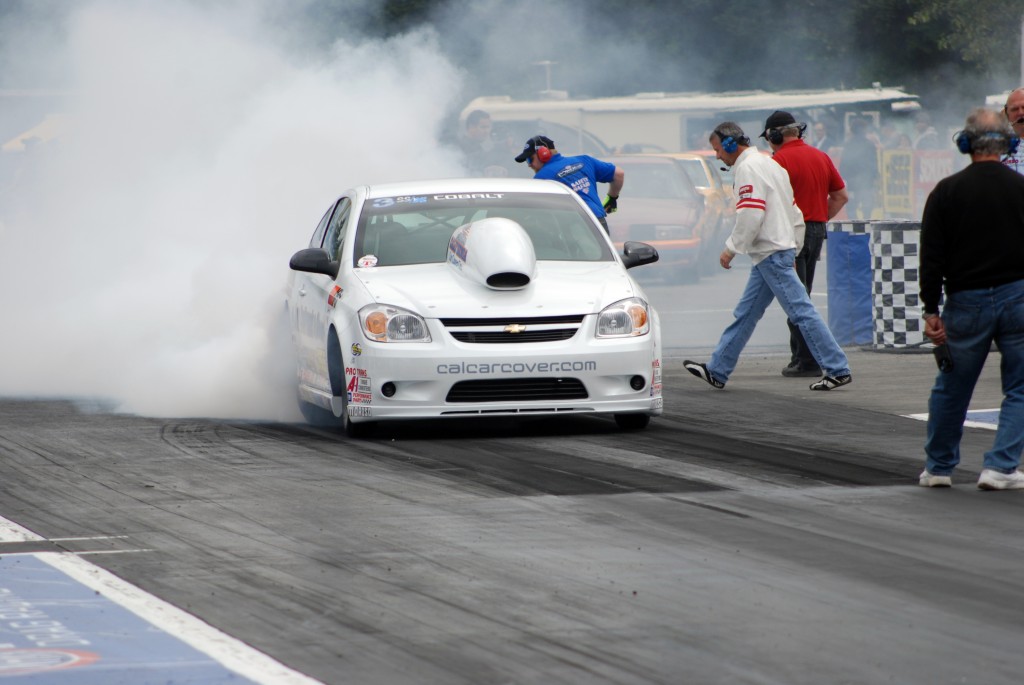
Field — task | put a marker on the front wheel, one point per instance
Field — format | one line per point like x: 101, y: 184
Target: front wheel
x: 632, y: 422
x: 339, y: 389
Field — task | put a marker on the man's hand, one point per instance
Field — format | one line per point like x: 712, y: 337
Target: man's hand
x: 725, y: 259
x: 935, y: 330
x: 611, y: 204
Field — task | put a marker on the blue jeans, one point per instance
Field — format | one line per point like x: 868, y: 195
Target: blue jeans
x: 974, y: 319
x: 774, y: 277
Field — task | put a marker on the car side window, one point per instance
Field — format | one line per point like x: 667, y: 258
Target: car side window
x: 318, y: 235
x: 695, y: 171
x: 336, y: 229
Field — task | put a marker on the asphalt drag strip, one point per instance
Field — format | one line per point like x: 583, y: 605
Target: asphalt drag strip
x: 758, y: 534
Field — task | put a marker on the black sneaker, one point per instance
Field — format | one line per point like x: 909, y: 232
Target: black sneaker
x: 797, y: 371
x: 701, y: 371
x: 829, y: 382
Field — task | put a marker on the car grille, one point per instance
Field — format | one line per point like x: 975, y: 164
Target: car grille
x: 517, y: 390
x: 523, y: 330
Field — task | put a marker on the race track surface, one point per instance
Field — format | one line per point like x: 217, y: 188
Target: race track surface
x: 760, y: 534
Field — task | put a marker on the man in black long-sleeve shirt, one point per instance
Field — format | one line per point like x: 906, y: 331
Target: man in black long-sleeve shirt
x: 972, y: 243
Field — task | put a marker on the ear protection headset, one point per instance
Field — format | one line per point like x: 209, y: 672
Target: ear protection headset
x: 775, y: 136
x: 964, y: 141
x: 730, y: 144
x: 543, y: 152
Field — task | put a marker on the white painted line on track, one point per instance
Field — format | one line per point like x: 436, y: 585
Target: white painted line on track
x: 990, y: 424
x: 231, y: 653
x: 12, y: 532
x: 90, y: 537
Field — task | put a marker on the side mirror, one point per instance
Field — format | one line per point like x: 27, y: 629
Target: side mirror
x: 635, y: 253
x: 315, y: 261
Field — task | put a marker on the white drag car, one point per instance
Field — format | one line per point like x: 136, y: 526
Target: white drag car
x: 470, y: 297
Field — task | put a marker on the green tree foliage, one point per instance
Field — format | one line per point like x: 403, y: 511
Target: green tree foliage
x: 935, y: 48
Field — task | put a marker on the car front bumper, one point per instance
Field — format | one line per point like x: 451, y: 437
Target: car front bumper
x: 448, y: 378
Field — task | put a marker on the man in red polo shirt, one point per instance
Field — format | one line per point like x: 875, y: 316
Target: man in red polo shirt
x: 820, y: 193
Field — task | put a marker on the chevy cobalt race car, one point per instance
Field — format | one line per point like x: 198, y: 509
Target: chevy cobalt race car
x: 470, y: 297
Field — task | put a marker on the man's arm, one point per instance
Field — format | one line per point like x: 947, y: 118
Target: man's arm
x: 836, y: 200
x: 931, y: 254
x: 615, y: 187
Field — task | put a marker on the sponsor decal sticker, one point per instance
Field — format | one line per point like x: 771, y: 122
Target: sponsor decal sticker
x: 359, y: 410
x: 359, y: 384
x: 356, y: 350
x: 332, y: 298
x: 457, y: 252
x: 383, y: 202
x: 367, y: 261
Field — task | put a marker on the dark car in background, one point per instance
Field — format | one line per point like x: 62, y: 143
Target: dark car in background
x: 716, y: 187
x: 662, y: 206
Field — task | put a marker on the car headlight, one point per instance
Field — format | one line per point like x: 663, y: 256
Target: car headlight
x: 384, y: 323
x: 624, y: 318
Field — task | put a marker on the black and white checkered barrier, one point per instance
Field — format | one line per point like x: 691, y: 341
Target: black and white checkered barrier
x: 891, y: 273
x: 894, y: 270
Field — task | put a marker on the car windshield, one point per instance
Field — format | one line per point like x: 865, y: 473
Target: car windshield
x: 694, y: 168
x: 661, y: 181
x: 416, y: 229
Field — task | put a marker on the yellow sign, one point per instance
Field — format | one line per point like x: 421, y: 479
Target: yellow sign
x: 897, y: 167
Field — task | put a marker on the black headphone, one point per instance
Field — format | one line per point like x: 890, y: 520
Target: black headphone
x: 775, y: 137
x: 964, y: 141
x: 730, y: 144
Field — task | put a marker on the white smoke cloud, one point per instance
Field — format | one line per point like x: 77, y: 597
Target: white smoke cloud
x: 143, y: 255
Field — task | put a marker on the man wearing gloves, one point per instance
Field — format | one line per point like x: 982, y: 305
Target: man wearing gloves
x: 582, y: 173
x: 770, y: 229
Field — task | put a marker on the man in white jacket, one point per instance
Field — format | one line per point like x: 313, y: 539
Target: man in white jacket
x: 770, y: 230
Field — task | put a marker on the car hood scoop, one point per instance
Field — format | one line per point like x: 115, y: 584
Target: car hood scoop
x: 558, y: 289
x: 494, y: 252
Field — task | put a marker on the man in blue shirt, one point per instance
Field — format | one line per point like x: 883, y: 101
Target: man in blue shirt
x: 581, y: 173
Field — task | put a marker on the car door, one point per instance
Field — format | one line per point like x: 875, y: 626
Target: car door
x: 307, y: 298
x: 323, y: 293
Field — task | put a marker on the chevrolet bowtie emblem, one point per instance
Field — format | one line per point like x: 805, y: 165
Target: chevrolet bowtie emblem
x: 515, y: 328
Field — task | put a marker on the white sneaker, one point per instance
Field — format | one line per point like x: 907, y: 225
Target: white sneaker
x: 930, y: 480
x: 997, y: 480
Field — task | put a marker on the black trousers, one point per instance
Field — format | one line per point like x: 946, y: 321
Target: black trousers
x: 806, y: 260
